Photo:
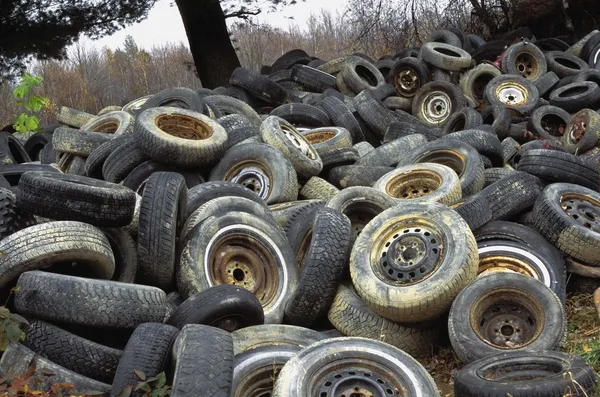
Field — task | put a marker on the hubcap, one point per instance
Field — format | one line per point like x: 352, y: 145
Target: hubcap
x: 512, y: 93
x: 436, y: 107
x: 584, y: 211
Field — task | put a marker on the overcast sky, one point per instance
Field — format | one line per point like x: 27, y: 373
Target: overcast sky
x: 164, y: 25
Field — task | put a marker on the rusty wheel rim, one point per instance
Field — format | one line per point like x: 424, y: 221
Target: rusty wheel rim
x: 184, y: 127
x: 510, y: 259
x: 407, y: 252
x: 108, y: 127
x: 244, y: 256
x: 449, y: 158
x: 527, y: 65
x: 319, y: 136
x: 507, y: 318
x: 583, y: 210
x: 407, y: 82
x: 355, y: 378
x: 253, y: 175
x: 413, y: 184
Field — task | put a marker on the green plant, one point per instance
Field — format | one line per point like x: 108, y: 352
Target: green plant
x: 10, y: 326
x: 155, y: 386
x: 23, y: 94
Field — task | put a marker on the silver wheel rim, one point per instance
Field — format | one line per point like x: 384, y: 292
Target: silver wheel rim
x: 436, y: 107
x: 255, y: 180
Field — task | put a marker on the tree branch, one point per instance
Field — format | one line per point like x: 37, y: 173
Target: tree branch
x: 242, y: 14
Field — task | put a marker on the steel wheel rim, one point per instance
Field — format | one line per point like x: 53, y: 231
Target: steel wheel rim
x: 253, y: 175
x: 450, y: 158
x: 408, y: 82
x: 436, y: 107
x: 527, y: 65
x: 512, y: 94
x: 521, y: 262
x: 583, y: 210
x: 414, y: 184
x: 298, y: 141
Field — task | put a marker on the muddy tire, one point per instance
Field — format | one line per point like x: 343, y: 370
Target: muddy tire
x: 251, y: 338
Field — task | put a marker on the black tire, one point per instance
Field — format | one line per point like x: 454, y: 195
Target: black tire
x: 408, y: 75
x: 258, y: 86
x: 356, y: 175
x: 73, y: 352
x: 95, y: 161
x: 512, y: 194
x: 48, y: 155
x: 137, y: 178
x: 73, y: 165
x: 285, y: 211
x: 36, y: 144
x: 161, y: 216
x: 203, y: 193
x: 538, y: 324
x: 383, y: 92
x: 568, y: 228
x: 554, y: 166
x: 548, y: 121
x: 564, y: 64
x: 445, y: 56
x: 12, y: 150
x: 394, y: 152
x: 465, y: 119
x: 510, y: 148
x: 459, y: 156
x: 183, y: 98
x: 229, y: 105
x: 290, y: 59
x: 425, y: 107
x: 357, y: 75
x: 513, y: 92
x: 313, y: 79
x: 121, y: 162
x: 475, y: 210
x: 149, y: 351
x: 341, y: 116
x: 486, y: 144
x: 561, y: 372
x: 78, y: 198
x: 180, y: 137
x: 12, y: 218
x: 124, y: 250
x: 474, y: 81
x: 524, y: 59
x: 282, y: 187
x: 12, y: 173
x: 322, y: 260
x: 499, y: 118
x: 297, y: 376
x: 576, y: 96
x: 302, y: 115
x: 373, y: 112
x: 93, y: 303
x: 400, y: 129
x: 582, y: 132
x: 75, y: 141
x: 546, y: 83
x: 223, y: 306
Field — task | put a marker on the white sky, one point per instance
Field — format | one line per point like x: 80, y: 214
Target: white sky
x: 164, y: 25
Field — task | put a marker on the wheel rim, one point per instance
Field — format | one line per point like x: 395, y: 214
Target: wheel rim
x: 319, y: 136
x: 479, y: 85
x: 584, y: 210
x: 260, y: 381
x: 407, y: 252
x: 509, y: 259
x: 507, y: 318
x: 512, y: 94
x: 360, y: 214
x: 436, y: 107
x: 108, y: 127
x: 577, y: 130
x: 238, y: 255
x: 413, y: 184
x: 355, y: 378
x: 253, y: 175
x: 408, y: 82
x: 527, y: 65
x: 184, y: 127
x: 298, y: 141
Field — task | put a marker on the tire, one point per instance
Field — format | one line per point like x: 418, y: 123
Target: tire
x: 182, y: 98
x: 567, y: 228
x: 125, y: 253
x: 373, y: 112
x: 48, y: 155
x: 461, y: 157
x: 404, y: 372
x: 383, y: 92
x: 357, y: 175
x: 222, y: 236
x: 73, y: 352
x: 475, y: 210
x: 258, y: 86
x: 12, y: 150
x: 576, y: 96
x: 322, y: 258
x: 358, y: 75
x: 284, y: 137
x: 435, y: 102
x: 230, y: 105
x: 393, y: 152
x: 271, y: 335
x: 161, y: 218
x: 362, y: 148
x: 562, y: 372
x: 582, y: 132
x: 115, y: 123
x: 78, y: 198
x: 445, y: 56
x: 524, y: 59
x: 510, y: 148
x: 400, y: 129
x: 464, y: 119
x: 203, y: 362
x: 17, y: 360
x: 499, y: 118
x: 290, y: 59
x: 93, y: 303
x: 313, y: 79
x: 512, y: 194
x: 161, y: 138
x: 264, y: 163
x: 73, y: 118
x: 137, y: 178
x: 523, y: 250
x: 223, y: 306
x: 447, y: 272
x: 318, y: 189
x: 134, y: 107
x: 35, y: 145
x: 149, y: 351
x: 548, y: 121
x: 12, y: 218
x: 122, y: 161
x: 484, y: 303
x: 341, y: 116
x: 73, y: 165
x: 514, y: 92
x: 546, y: 83
x: 285, y: 211
x: 408, y: 75
x: 302, y: 114
x: 474, y: 81
x: 486, y: 144
x: 205, y: 192
x: 564, y: 64
x: 427, y: 182
x: 326, y: 139
x: 95, y: 161
x: 352, y: 317
x: 398, y: 103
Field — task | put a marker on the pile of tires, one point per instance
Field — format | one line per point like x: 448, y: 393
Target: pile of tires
x: 315, y: 229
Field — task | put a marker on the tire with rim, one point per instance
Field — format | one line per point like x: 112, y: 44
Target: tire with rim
x: 326, y: 139
x: 115, y: 123
x: 582, y: 132
x: 399, y: 268
x: 408, y: 75
x: 514, y: 92
x: 524, y: 59
x: 252, y: 338
x: 483, y: 319
x: 474, y: 81
x: 313, y: 372
x: 243, y: 250
x: 436, y: 101
x: 180, y: 137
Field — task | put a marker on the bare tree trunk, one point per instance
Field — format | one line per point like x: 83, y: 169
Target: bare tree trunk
x: 209, y: 41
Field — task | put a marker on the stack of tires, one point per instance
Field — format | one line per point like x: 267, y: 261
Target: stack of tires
x: 315, y: 229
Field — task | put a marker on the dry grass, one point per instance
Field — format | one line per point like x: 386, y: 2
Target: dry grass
x: 583, y: 338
